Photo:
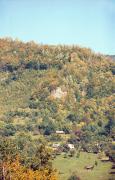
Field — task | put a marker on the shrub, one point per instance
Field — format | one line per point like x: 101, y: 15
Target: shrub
x: 74, y: 176
x: 9, y: 130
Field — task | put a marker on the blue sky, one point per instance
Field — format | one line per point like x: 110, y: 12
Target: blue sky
x: 89, y: 23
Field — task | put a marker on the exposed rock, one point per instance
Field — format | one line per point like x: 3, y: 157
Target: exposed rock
x: 58, y: 93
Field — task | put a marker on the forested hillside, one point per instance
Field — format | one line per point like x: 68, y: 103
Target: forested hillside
x: 44, y: 89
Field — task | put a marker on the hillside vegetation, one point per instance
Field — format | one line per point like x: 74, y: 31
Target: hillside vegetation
x: 48, y: 88
x: 30, y: 73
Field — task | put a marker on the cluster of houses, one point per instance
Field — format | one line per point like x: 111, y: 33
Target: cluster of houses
x: 57, y: 146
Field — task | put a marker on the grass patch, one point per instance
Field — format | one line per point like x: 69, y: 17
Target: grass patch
x: 66, y: 166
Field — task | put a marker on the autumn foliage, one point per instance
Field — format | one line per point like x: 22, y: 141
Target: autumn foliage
x: 48, y: 88
x: 15, y: 171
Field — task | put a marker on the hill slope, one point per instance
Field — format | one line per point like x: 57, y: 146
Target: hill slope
x: 47, y: 88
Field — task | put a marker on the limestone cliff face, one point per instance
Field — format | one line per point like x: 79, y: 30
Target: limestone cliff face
x: 58, y: 93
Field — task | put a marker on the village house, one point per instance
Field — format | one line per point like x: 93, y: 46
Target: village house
x: 71, y: 146
x: 105, y: 159
x: 89, y: 167
x: 55, y: 146
x: 60, y: 132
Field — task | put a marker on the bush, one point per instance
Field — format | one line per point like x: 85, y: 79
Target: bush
x: 9, y: 130
x: 74, y: 176
x: 65, y: 155
x: 72, y: 153
x: 78, y: 154
x: 55, y: 137
x: 111, y: 152
x: 32, y: 65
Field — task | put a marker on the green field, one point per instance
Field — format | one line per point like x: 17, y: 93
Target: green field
x: 66, y: 166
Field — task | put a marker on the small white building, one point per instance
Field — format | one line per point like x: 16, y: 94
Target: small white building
x: 71, y: 146
x: 60, y: 132
x: 56, y: 145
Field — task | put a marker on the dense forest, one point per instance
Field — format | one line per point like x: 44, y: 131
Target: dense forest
x: 46, y: 89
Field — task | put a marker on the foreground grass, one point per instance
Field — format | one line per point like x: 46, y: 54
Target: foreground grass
x: 66, y: 166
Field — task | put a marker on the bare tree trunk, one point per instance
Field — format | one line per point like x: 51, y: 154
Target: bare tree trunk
x: 3, y: 172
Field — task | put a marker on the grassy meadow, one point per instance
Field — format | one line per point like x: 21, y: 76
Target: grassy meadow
x: 66, y: 166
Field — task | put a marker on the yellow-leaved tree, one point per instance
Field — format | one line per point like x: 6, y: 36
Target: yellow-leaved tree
x: 16, y: 171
